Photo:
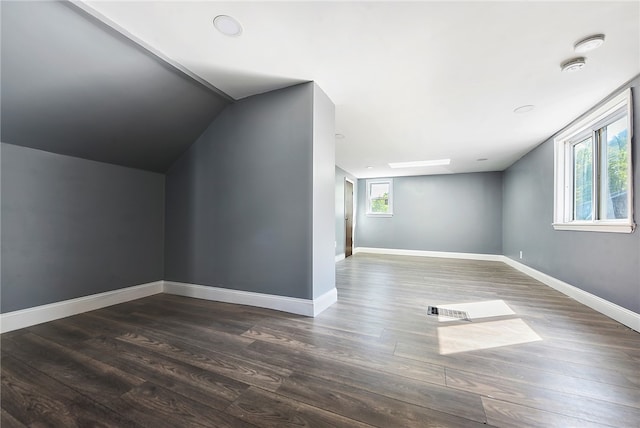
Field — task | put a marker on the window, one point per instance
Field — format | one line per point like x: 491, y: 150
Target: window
x: 380, y: 198
x: 593, y: 175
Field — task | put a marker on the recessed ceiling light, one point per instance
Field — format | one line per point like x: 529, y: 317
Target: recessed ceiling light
x: 415, y: 164
x: 339, y: 136
x: 481, y: 159
x: 573, y: 64
x: 589, y: 44
x: 524, y: 109
x: 227, y: 25
x: 369, y: 167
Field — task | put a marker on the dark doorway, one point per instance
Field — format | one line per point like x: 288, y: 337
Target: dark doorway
x: 348, y: 218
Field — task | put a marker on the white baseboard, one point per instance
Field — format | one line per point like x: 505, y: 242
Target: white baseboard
x: 324, y: 301
x: 618, y: 313
x: 306, y: 307
x: 340, y: 257
x: 31, y: 316
x: 420, y: 253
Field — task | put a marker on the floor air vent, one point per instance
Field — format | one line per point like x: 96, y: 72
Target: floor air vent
x: 449, y: 313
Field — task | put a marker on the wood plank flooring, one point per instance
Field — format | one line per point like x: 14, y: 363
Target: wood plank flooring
x: 373, y: 359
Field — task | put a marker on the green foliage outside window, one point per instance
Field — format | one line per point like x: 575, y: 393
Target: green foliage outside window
x: 618, y: 173
x: 583, y: 179
x: 380, y: 205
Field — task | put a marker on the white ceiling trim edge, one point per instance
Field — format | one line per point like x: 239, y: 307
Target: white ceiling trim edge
x: 94, y: 14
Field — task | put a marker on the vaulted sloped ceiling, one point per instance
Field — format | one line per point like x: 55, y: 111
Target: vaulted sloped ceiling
x: 411, y: 80
x: 74, y: 86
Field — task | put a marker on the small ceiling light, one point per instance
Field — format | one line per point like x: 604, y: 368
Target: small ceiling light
x: 481, y: 159
x: 227, y: 25
x: 524, y: 109
x: 339, y: 136
x: 415, y: 164
x: 589, y: 44
x: 573, y: 64
x: 369, y: 167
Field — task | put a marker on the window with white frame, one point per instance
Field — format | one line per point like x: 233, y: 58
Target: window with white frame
x: 593, y: 173
x: 380, y: 197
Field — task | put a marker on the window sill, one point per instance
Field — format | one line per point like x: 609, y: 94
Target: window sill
x: 596, y: 227
x: 379, y: 214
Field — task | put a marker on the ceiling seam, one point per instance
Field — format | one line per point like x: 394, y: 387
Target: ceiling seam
x: 109, y: 25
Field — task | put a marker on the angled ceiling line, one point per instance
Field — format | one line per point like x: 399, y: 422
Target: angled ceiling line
x: 109, y: 25
x: 392, y: 104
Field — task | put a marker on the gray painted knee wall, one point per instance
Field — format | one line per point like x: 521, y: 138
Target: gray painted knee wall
x: 453, y: 213
x: 72, y: 227
x: 75, y: 86
x: 249, y: 205
x: 604, y: 264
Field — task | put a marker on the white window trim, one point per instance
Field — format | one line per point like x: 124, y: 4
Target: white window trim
x: 376, y: 181
x: 563, y: 175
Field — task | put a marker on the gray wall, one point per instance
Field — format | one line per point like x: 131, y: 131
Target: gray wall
x: 456, y: 213
x: 72, y: 227
x: 604, y: 264
x: 323, y: 190
x: 239, y: 201
x: 340, y: 176
x: 74, y: 86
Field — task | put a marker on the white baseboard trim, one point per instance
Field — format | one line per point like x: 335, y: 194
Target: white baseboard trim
x: 31, y: 316
x: 325, y: 300
x: 421, y: 253
x: 618, y: 313
x: 306, y: 307
x: 340, y: 257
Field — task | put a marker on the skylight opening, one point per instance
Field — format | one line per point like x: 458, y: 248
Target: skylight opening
x: 416, y: 164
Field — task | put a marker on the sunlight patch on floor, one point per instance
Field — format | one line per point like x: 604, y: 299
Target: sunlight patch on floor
x: 484, y: 335
x: 478, y: 310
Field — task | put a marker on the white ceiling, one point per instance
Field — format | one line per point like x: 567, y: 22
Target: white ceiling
x: 411, y: 81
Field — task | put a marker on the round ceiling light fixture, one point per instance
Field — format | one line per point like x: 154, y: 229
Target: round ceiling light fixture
x: 227, y: 25
x: 589, y: 44
x: 369, y: 167
x: 339, y: 136
x: 524, y: 109
x: 574, y: 64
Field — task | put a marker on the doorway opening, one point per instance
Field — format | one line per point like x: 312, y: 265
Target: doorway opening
x: 348, y: 217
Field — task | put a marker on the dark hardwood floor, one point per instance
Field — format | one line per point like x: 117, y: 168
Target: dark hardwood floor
x: 536, y: 358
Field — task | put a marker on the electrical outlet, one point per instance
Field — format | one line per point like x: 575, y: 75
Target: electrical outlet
x: 521, y: 254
